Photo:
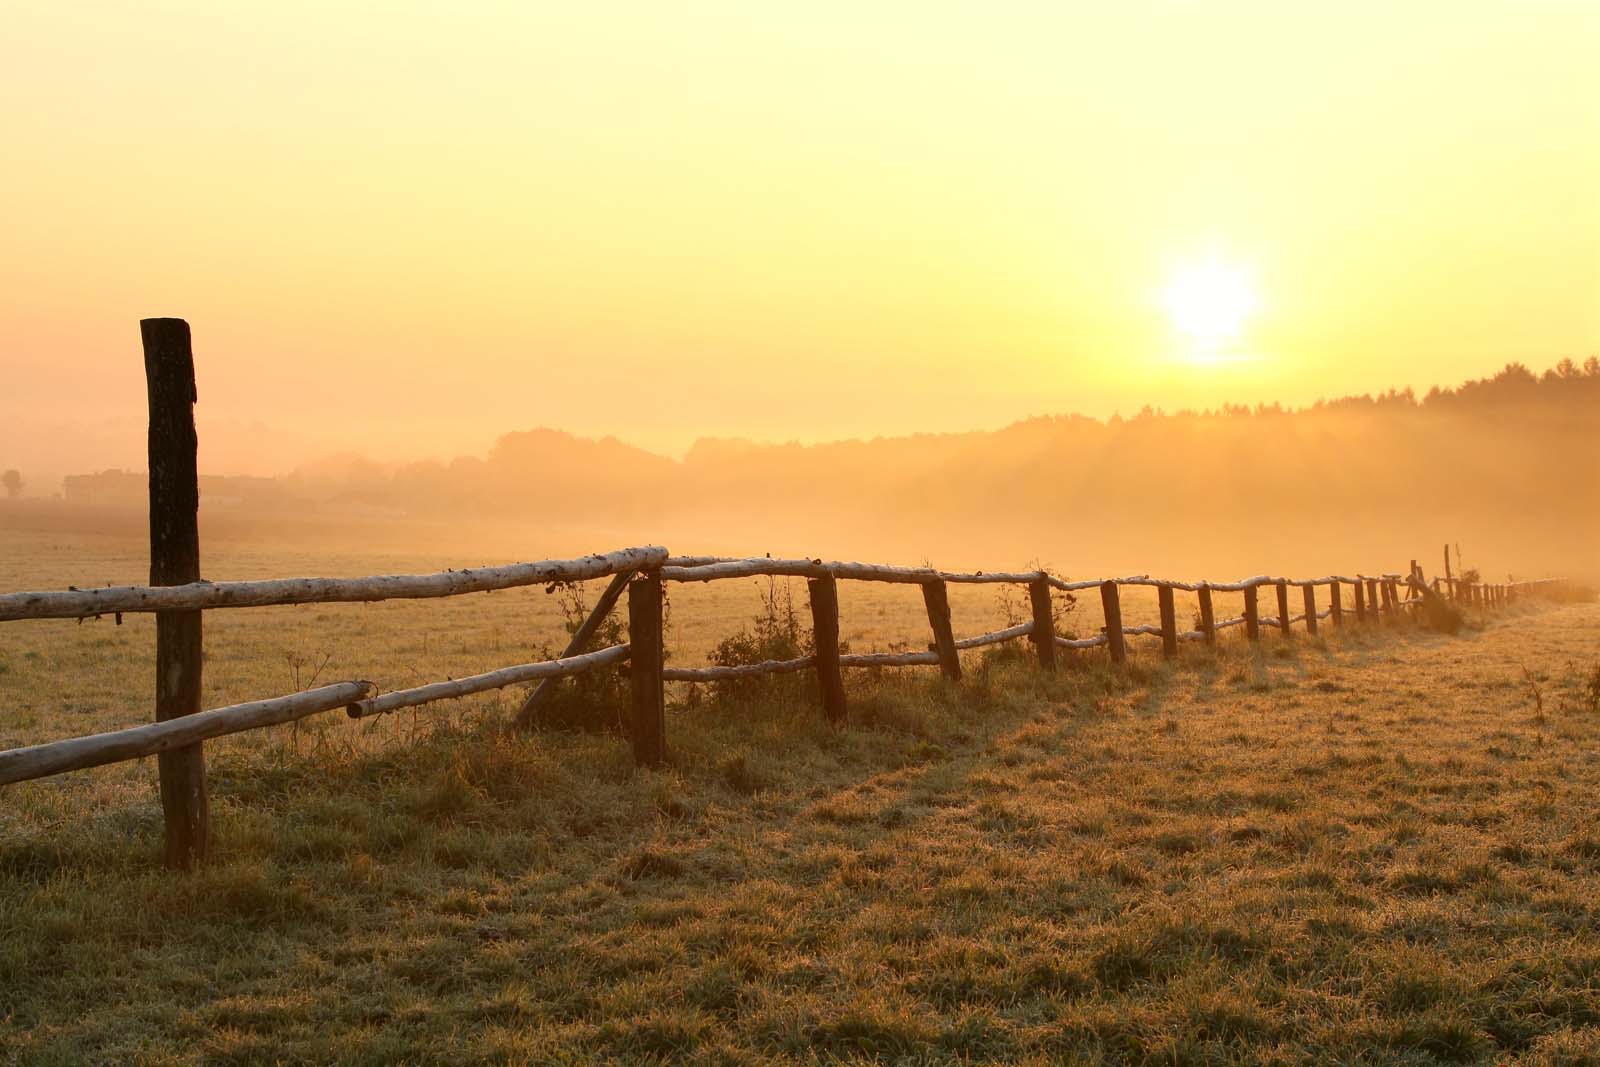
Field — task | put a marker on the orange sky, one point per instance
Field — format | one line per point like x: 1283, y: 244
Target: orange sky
x: 404, y: 229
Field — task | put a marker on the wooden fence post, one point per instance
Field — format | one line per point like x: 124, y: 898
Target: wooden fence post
x: 825, y: 637
x: 1208, y: 616
x: 1111, y: 603
x: 1252, y: 617
x: 647, y: 729
x: 1044, y: 622
x: 1449, y: 581
x: 1309, y: 594
x: 1283, y: 607
x: 1372, y: 600
x: 1169, y: 621
x: 175, y: 560
x: 1361, y: 599
x: 937, y: 600
x: 1335, y: 604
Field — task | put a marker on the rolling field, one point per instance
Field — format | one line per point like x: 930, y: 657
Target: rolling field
x: 1380, y: 846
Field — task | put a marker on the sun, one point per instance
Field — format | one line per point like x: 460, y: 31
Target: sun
x: 1209, y: 302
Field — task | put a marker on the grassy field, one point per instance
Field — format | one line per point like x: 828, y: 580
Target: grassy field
x: 1378, y: 847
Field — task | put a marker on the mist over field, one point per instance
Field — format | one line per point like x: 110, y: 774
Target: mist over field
x: 1506, y: 467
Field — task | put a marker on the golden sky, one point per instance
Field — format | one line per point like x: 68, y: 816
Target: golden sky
x: 406, y: 228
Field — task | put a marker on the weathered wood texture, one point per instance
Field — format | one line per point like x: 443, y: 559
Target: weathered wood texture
x: 647, y: 726
x: 995, y: 637
x: 739, y: 670
x: 83, y: 603
x: 1169, y: 621
x: 825, y: 638
x: 528, y: 714
x: 1111, y: 605
x: 175, y: 560
x: 483, y: 683
x: 1335, y: 604
x: 94, y: 750
x: 937, y: 600
x: 1044, y: 623
x: 889, y: 659
x: 1308, y: 593
x: 1282, y: 589
x: 1208, y: 615
x: 1252, y: 617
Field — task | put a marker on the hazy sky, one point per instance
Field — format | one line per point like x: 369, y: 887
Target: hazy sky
x: 404, y: 229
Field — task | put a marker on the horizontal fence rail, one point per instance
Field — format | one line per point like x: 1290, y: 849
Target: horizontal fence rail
x: 56, y: 757
x: 196, y: 596
x: 483, y: 683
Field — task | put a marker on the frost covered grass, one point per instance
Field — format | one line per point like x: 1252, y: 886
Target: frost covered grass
x: 1378, y: 846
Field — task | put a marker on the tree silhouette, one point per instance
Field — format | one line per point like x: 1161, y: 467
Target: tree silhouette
x: 12, y: 480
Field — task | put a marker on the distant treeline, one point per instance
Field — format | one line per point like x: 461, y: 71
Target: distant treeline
x: 1506, y: 462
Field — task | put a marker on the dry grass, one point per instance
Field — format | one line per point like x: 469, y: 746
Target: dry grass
x: 1368, y: 849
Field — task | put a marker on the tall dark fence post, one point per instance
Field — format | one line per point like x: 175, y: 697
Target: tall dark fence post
x: 1044, y: 622
x: 1335, y: 604
x: 1308, y: 593
x: 1111, y: 602
x: 1252, y: 617
x: 647, y: 729
x: 1449, y: 582
x: 1208, y: 615
x: 175, y: 560
x: 1283, y: 607
x: 1169, y: 621
x: 1361, y: 599
x: 825, y: 638
x: 1372, y: 600
x: 937, y: 600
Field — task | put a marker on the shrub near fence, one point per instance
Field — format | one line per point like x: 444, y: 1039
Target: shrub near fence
x: 179, y: 597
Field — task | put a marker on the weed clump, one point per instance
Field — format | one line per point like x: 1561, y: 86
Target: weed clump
x: 776, y: 632
x: 596, y: 701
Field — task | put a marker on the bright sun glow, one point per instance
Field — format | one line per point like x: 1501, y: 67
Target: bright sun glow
x: 1209, y: 302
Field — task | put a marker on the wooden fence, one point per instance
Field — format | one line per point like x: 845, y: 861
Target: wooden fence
x: 178, y: 597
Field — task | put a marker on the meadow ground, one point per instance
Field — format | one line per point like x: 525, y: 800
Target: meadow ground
x: 1377, y: 847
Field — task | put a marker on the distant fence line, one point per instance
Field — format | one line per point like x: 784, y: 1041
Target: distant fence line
x: 178, y: 597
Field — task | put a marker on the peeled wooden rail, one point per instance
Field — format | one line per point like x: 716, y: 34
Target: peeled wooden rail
x: 482, y: 683
x: 740, y: 670
x: 196, y: 596
x: 135, y: 742
x: 995, y: 637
